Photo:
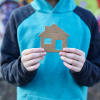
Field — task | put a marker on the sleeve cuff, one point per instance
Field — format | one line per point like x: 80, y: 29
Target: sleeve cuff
x: 81, y: 72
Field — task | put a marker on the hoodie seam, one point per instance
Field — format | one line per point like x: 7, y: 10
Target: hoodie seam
x: 82, y: 20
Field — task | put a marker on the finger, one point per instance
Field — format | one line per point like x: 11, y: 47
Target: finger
x: 71, y: 61
x: 32, y: 50
x: 33, y: 61
x: 72, y: 56
x: 71, y: 67
x: 73, y: 50
x: 33, y: 56
x: 34, y: 67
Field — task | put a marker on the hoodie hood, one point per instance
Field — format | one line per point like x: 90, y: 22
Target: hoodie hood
x: 61, y: 6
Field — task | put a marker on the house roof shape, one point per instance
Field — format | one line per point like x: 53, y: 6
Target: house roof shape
x: 53, y: 30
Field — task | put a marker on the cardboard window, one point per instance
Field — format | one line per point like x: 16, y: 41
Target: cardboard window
x: 47, y: 40
x: 58, y: 44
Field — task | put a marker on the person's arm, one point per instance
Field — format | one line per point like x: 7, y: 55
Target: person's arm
x: 12, y: 68
x: 86, y: 72
x: 90, y: 73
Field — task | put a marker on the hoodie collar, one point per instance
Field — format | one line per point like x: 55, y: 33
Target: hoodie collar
x: 61, y: 6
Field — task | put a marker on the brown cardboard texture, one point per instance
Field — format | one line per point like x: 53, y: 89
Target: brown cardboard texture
x: 54, y: 33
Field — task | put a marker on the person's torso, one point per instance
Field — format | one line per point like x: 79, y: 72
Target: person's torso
x: 53, y: 80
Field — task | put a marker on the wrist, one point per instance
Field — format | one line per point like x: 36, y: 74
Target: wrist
x: 82, y: 71
x: 26, y: 72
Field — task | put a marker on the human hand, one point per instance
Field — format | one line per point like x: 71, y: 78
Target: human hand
x: 75, y: 58
x: 31, y: 57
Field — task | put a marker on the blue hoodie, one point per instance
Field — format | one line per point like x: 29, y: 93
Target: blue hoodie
x: 52, y: 80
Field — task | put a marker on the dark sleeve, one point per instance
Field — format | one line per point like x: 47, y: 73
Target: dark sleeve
x: 12, y: 68
x: 90, y: 73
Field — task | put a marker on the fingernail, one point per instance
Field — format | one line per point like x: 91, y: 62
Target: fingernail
x: 42, y: 49
x: 60, y: 53
x: 61, y: 57
x: 44, y: 53
x: 64, y: 48
x: 42, y: 57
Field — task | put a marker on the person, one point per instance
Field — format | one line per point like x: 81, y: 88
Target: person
x: 40, y: 75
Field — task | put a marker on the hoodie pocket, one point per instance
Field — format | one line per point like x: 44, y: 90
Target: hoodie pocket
x: 32, y: 97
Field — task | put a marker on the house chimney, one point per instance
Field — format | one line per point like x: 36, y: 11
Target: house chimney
x: 46, y: 28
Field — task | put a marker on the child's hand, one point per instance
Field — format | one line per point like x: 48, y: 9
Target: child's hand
x: 31, y: 57
x: 74, y: 57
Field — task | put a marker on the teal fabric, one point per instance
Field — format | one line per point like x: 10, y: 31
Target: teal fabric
x: 62, y: 6
x: 53, y: 80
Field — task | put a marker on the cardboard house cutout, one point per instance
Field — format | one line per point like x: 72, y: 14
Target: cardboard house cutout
x: 53, y: 34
